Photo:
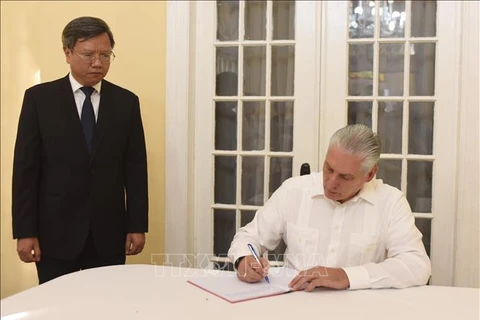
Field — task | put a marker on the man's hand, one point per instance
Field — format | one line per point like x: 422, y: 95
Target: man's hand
x: 250, y: 271
x: 29, y: 249
x: 335, y: 278
x: 135, y: 243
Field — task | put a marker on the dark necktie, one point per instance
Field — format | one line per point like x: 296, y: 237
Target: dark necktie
x: 88, y: 117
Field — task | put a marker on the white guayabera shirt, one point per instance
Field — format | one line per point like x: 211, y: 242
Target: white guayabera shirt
x: 372, y: 236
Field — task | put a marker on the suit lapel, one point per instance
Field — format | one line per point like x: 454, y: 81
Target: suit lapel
x: 104, y: 116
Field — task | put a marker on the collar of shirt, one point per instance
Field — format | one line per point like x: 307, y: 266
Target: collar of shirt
x: 367, y: 192
x: 76, y: 85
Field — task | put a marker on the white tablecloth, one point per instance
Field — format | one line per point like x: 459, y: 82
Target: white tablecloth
x: 157, y: 292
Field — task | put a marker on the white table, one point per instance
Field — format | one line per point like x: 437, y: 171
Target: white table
x: 157, y: 292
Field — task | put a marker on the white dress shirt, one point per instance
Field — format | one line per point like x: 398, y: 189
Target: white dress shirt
x: 80, y: 96
x: 372, y: 236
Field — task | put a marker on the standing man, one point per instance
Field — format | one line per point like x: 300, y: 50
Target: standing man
x: 80, y: 194
x: 343, y: 228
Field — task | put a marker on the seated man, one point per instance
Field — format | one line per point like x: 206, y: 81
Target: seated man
x: 343, y: 228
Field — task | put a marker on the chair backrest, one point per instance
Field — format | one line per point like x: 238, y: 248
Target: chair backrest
x: 305, y: 169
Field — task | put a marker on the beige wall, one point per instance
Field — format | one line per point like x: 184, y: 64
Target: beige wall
x: 31, y: 52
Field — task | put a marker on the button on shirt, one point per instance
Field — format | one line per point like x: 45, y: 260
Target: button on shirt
x: 372, y: 236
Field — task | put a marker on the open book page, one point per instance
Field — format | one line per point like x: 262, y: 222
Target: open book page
x: 227, y: 286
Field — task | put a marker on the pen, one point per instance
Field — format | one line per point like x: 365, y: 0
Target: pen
x: 257, y: 259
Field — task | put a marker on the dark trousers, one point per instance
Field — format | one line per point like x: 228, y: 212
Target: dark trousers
x: 50, y: 268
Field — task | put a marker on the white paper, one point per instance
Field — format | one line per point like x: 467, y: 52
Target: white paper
x: 226, y: 285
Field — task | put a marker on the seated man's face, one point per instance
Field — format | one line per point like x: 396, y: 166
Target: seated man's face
x: 342, y: 175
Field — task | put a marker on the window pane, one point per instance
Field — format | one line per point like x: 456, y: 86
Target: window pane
x: 360, y: 112
x: 224, y: 266
x: 227, y: 71
x: 280, y: 170
x: 360, y: 70
x: 419, y: 182
x: 283, y: 20
x: 227, y: 20
x: 223, y: 231
x: 283, y: 70
x: 246, y: 217
x: 425, y: 227
x: 390, y: 171
x: 254, y: 71
x: 362, y: 19
x: 422, y: 69
x: 255, y: 20
x: 392, y: 19
x: 225, y: 125
x: 225, y: 179
x: 390, y: 121
x: 253, y: 126
x: 420, y: 135
x: 281, y: 126
x: 424, y: 18
x: 252, y: 180
x: 390, y: 79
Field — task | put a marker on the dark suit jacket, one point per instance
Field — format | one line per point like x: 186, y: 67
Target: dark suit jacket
x: 60, y: 191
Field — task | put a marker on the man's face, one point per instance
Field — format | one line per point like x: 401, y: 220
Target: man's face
x: 343, y: 176
x: 86, y: 71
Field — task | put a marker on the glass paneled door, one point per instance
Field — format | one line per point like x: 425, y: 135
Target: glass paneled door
x: 255, y: 116
x: 392, y: 72
x: 381, y: 44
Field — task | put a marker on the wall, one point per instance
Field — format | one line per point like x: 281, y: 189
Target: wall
x: 31, y: 52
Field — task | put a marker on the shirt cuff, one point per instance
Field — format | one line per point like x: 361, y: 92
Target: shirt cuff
x: 236, y: 253
x: 237, y: 262
x: 358, y: 277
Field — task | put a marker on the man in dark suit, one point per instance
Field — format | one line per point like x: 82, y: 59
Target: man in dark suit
x: 80, y: 194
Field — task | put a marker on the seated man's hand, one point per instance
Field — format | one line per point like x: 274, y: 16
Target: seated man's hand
x: 335, y: 278
x: 250, y: 271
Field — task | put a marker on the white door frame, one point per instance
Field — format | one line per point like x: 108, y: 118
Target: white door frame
x: 467, y: 248
x: 178, y: 131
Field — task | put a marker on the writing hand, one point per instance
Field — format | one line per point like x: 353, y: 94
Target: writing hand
x: 134, y: 243
x: 28, y: 249
x: 335, y: 278
x: 250, y: 271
